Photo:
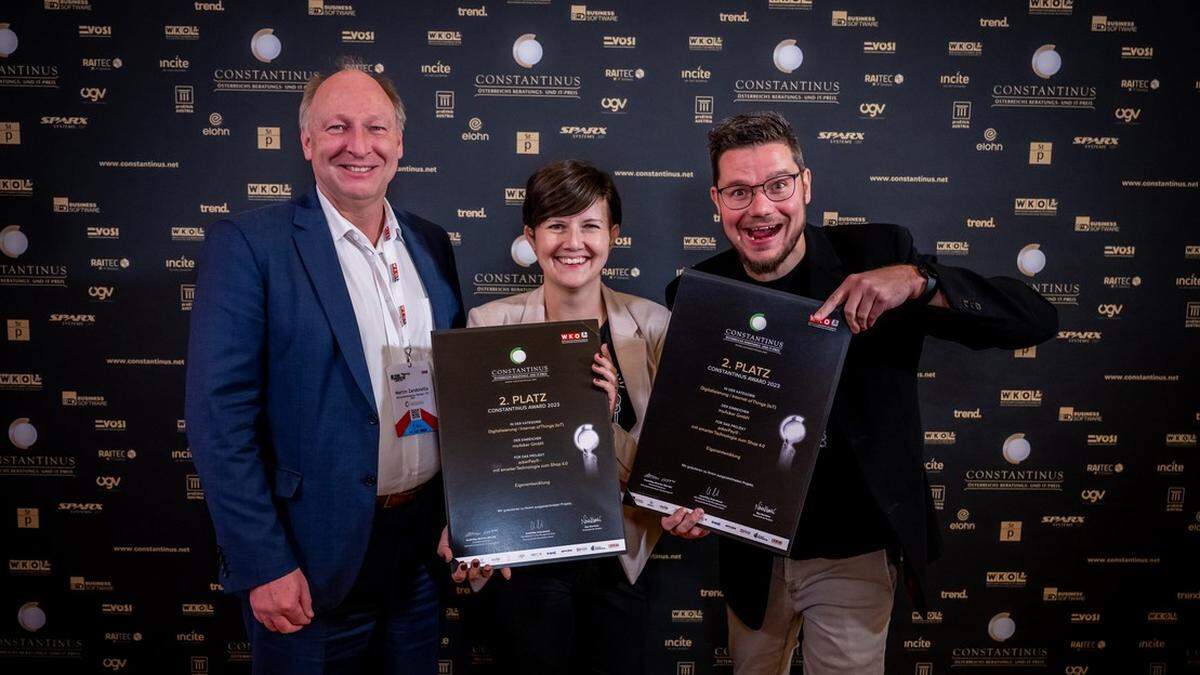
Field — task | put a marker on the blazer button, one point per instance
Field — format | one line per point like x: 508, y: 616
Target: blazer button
x: 369, y: 480
x: 373, y: 420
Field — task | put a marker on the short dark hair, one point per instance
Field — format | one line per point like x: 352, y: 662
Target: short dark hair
x: 565, y: 188
x: 748, y: 129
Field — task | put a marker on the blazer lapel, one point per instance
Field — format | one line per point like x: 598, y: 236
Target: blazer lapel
x: 534, y: 310
x: 631, y: 349
x: 316, y: 249
x: 441, y: 295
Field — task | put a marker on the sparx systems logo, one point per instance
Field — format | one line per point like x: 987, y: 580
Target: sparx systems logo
x: 842, y: 137
x: 268, y: 191
x: 1097, y: 142
x: 582, y: 13
x: 583, y: 133
x: 321, y: 8
x: 1103, y: 24
x: 840, y: 18
x: 1080, y: 336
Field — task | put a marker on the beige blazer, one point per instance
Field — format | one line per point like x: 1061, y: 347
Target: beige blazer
x: 638, y: 328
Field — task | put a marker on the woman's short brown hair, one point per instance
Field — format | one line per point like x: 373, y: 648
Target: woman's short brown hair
x: 565, y: 188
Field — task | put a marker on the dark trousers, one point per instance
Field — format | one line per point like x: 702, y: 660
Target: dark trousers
x: 388, y: 623
x: 576, y: 617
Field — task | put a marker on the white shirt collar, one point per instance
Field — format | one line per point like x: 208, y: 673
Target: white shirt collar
x: 339, y: 227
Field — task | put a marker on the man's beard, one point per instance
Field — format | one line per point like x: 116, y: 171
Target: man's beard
x: 769, y: 266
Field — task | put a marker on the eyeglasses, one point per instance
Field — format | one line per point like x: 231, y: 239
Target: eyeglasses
x: 777, y: 189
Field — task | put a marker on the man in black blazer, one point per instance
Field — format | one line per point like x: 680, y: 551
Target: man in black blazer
x: 868, y: 513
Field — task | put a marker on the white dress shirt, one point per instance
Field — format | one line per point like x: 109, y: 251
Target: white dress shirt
x: 404, y: 462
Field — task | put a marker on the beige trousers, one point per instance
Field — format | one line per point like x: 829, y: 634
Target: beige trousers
x: 844, y: 606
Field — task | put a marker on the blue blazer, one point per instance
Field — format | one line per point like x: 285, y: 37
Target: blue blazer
x: 280, y: 411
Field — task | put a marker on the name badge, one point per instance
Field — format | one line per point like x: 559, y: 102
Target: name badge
x: 412, y: 398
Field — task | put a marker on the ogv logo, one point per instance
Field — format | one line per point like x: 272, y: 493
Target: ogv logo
x: 108, y: 482
x: 1110, y: 311
x: 872, y: 109
x: 613, y: 104
x: 1092, y: 496
x: 1128, y: 115
x: 1076, y: 670
x: 93, y: 94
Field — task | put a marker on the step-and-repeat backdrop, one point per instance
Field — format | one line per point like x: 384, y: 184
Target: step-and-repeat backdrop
x: 1049, y: 140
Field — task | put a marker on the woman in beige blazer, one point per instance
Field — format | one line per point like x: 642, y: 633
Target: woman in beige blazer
x: 590, y: 615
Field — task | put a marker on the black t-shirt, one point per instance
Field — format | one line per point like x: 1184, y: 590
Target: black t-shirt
x: 840, y: 517
x: 623, y: 415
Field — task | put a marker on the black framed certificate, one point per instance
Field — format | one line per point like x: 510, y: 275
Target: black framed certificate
x: 526, y: 444
x: 738, y: 409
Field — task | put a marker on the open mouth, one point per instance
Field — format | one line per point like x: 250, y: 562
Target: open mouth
x: 357, y: 169
x: 571, y: 261
x: 762, y: 232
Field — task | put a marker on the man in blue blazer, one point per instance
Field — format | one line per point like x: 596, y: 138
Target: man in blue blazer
x: 310, y: 327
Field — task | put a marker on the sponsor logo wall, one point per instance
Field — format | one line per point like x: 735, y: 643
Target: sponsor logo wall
x: 1044, y: 140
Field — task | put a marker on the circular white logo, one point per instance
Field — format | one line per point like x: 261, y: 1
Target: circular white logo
x: 586, y: 438
x: 522, y: 251
x: 517, y: 355
x: 1001, y: 627
x: 1046, y: 61
x: 990, y: 134
x: 124, y: 263
x: 787, y: 56
x: 31, y: 617
x: 215, y: 119
x: 758, y: 321
x: 13, y: 241
x: 117, y: 62
x: 1031, y: 260
x: 22, y: 434
x: 379, y: 67
x: 8, y: 40
x: 527, y: 51
x: 1016, y: 449
x: 963, y: 515
x: 639, y: 73
x: 899, y: 78
x: 265, y: 46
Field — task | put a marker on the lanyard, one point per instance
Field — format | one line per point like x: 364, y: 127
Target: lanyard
x: 396, y: 311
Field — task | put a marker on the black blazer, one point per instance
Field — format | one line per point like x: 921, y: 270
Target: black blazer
x: 876, y: 405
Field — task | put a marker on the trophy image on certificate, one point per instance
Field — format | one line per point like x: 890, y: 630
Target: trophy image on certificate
x: 738, y: 409
x: 526, y: 444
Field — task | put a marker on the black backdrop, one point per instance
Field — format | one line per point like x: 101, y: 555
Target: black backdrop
x: 1064, y: 474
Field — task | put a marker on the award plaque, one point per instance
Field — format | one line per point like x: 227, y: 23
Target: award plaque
x: 526, y: 444
x: 738, y: 410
